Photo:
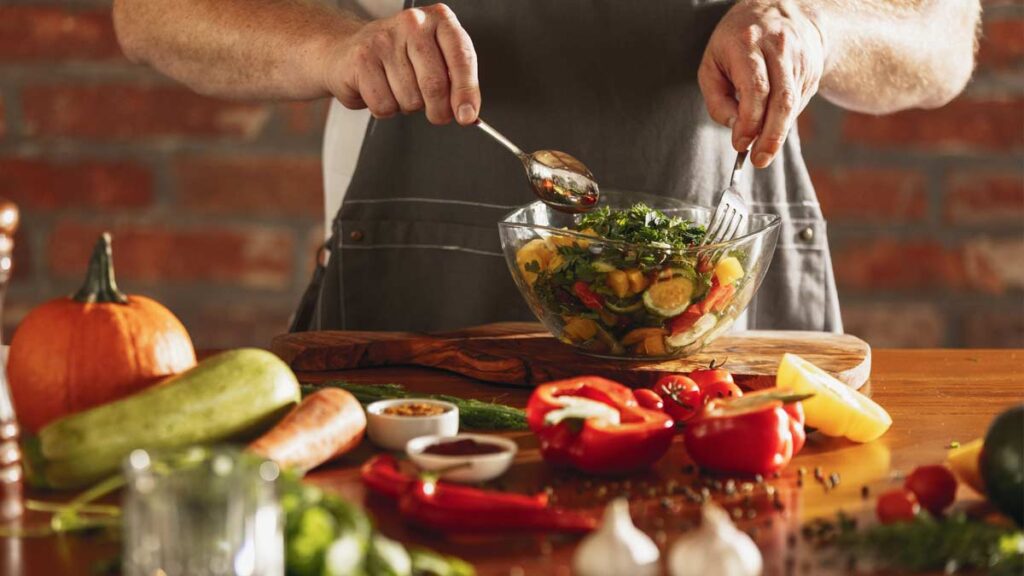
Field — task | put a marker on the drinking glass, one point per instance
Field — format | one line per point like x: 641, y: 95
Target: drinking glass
x: 202, y: 512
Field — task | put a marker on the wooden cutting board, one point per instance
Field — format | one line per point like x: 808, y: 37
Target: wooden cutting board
x: 524, y: 354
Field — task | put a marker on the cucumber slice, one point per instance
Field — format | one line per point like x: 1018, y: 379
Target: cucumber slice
x: 703, y: 325
x: 602, y: 266
x: 623, y: 308
x: 670, y: 297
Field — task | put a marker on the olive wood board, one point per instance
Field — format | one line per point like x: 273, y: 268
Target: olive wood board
x: 524, y: 354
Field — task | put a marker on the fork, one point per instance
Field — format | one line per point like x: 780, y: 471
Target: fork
x: 731, y: 210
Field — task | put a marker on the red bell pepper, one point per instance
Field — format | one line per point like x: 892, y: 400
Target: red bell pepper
x: 758, y: 433
x: 589, y: 298
x: 597, y: 426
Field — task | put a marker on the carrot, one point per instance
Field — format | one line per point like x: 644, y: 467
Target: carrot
x: 325, y: 425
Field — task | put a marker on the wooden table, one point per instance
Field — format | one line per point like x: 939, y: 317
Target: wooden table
x: 934, y: 397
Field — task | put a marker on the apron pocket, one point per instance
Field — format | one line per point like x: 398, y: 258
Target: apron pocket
x: 797, y: 293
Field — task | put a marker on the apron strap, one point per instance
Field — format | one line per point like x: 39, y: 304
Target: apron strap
x: 303, y: 318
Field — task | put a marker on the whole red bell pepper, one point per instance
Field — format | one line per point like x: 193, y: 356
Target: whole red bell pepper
x: 596, y: 425
x: 758, y: 433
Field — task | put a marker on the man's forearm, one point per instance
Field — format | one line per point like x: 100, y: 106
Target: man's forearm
x: 235, y: 48
x: 888, y: 55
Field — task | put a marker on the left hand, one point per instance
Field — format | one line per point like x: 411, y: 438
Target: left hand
x: 761, y: 67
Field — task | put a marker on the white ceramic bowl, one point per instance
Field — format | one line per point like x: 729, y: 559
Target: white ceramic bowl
x: 393, y: 432
x: 477, y: 468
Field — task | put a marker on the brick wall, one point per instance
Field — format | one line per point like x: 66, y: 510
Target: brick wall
x: 215, y: 206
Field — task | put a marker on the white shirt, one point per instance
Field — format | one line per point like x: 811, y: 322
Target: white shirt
x: 343, y: 135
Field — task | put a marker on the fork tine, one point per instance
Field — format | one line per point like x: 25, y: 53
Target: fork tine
x: 729, y: 212
x: 716, y: 223
x: 733, y: 226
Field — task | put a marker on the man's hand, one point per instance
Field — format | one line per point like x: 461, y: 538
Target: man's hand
x: 761, y: 67
x: 421, y: 57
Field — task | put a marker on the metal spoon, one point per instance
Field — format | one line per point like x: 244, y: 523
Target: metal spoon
x: 559, y: 180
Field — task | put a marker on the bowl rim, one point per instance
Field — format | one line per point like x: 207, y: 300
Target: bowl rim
x: 775, y: 221
x: 375, y: 409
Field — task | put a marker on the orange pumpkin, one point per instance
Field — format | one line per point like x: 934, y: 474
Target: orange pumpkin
x: 99, y: 345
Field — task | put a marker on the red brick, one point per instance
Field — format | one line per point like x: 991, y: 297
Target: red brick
x: 40, y: 184
x: 983, y: 198
x: 1002, y: 44
x: 240, y: 322
x: 873, y: 194
x: 304, y: 118
x: 1001, y: 328
x: 3, y: 118
x: 807, y: 127
x: 152, y: 252
x: 22, y: 258
x: 124, y: 112
x: 964, y: 125
x: 890, y: 264
x: 252, y: 184
x: 34, y: 33
x: 995, y: 264
x: 896, y: 325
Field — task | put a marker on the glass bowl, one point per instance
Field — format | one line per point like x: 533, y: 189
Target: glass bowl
x: 615, y: 299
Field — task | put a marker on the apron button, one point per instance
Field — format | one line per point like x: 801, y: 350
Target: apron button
x: 807, y: 234
x: 356, y: 235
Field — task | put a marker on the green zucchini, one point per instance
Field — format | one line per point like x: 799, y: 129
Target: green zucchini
x: 230, y: 397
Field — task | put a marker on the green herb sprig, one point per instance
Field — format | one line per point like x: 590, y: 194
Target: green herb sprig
x: 926, y: 544
x: 473, y: 414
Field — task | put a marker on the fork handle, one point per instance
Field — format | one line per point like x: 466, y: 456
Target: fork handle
x: 741, y: 157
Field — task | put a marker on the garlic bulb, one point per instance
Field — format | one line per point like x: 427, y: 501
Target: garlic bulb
x: 717, y: 547
x: 617, y: 548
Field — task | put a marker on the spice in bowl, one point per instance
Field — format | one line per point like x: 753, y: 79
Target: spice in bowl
x: 463, y: 447
x: 414, y: 409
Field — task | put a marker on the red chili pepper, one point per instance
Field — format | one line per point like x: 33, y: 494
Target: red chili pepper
x: 434, y: 505
x: 718, y: 298
x: 584, y: 435
x: 755, y: 434
x: 589, y: 298
x: 382, y: 475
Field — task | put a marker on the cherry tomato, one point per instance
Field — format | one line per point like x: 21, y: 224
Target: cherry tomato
x: 899, y: 505
x: 711, y: 374
x: 934, y: 486
x: 720, y: 389
x: 681, y: 395
x: 648, y: 398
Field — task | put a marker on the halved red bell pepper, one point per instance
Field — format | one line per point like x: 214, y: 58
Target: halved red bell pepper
x: 589, y: 298
x: 596, y: 425
x: 758, y: 433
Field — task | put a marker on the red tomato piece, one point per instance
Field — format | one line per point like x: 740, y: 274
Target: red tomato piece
x: 649, y: 399
x: 681, y: 395
x: 934, y: 486
x: 899, y: 505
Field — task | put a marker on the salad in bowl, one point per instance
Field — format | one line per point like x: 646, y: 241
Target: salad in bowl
x: 632, y: 279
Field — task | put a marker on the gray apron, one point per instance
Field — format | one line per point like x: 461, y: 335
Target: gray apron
x: 415, y: 243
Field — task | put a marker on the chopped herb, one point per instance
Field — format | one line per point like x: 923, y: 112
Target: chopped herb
x: 642, y: 225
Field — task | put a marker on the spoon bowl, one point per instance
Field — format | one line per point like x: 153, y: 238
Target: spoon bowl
x: 559, y: 179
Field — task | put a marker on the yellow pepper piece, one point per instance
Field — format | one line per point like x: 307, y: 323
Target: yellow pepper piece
x: 728, y: 270
x: 637, y: 280
x: 835, y: 409
x: 963, y: 461
x: 618, y: 282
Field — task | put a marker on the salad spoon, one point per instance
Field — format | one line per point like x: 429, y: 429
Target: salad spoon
x: 559, y: 179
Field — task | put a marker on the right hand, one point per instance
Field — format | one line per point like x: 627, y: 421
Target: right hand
x: 419, y: 58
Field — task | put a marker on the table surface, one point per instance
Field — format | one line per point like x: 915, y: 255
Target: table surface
x: 934, y: 397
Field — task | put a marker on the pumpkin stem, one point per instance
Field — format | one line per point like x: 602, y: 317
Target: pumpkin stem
x: 100, y: 285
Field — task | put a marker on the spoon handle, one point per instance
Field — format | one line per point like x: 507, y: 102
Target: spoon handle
x: 499, y: 137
